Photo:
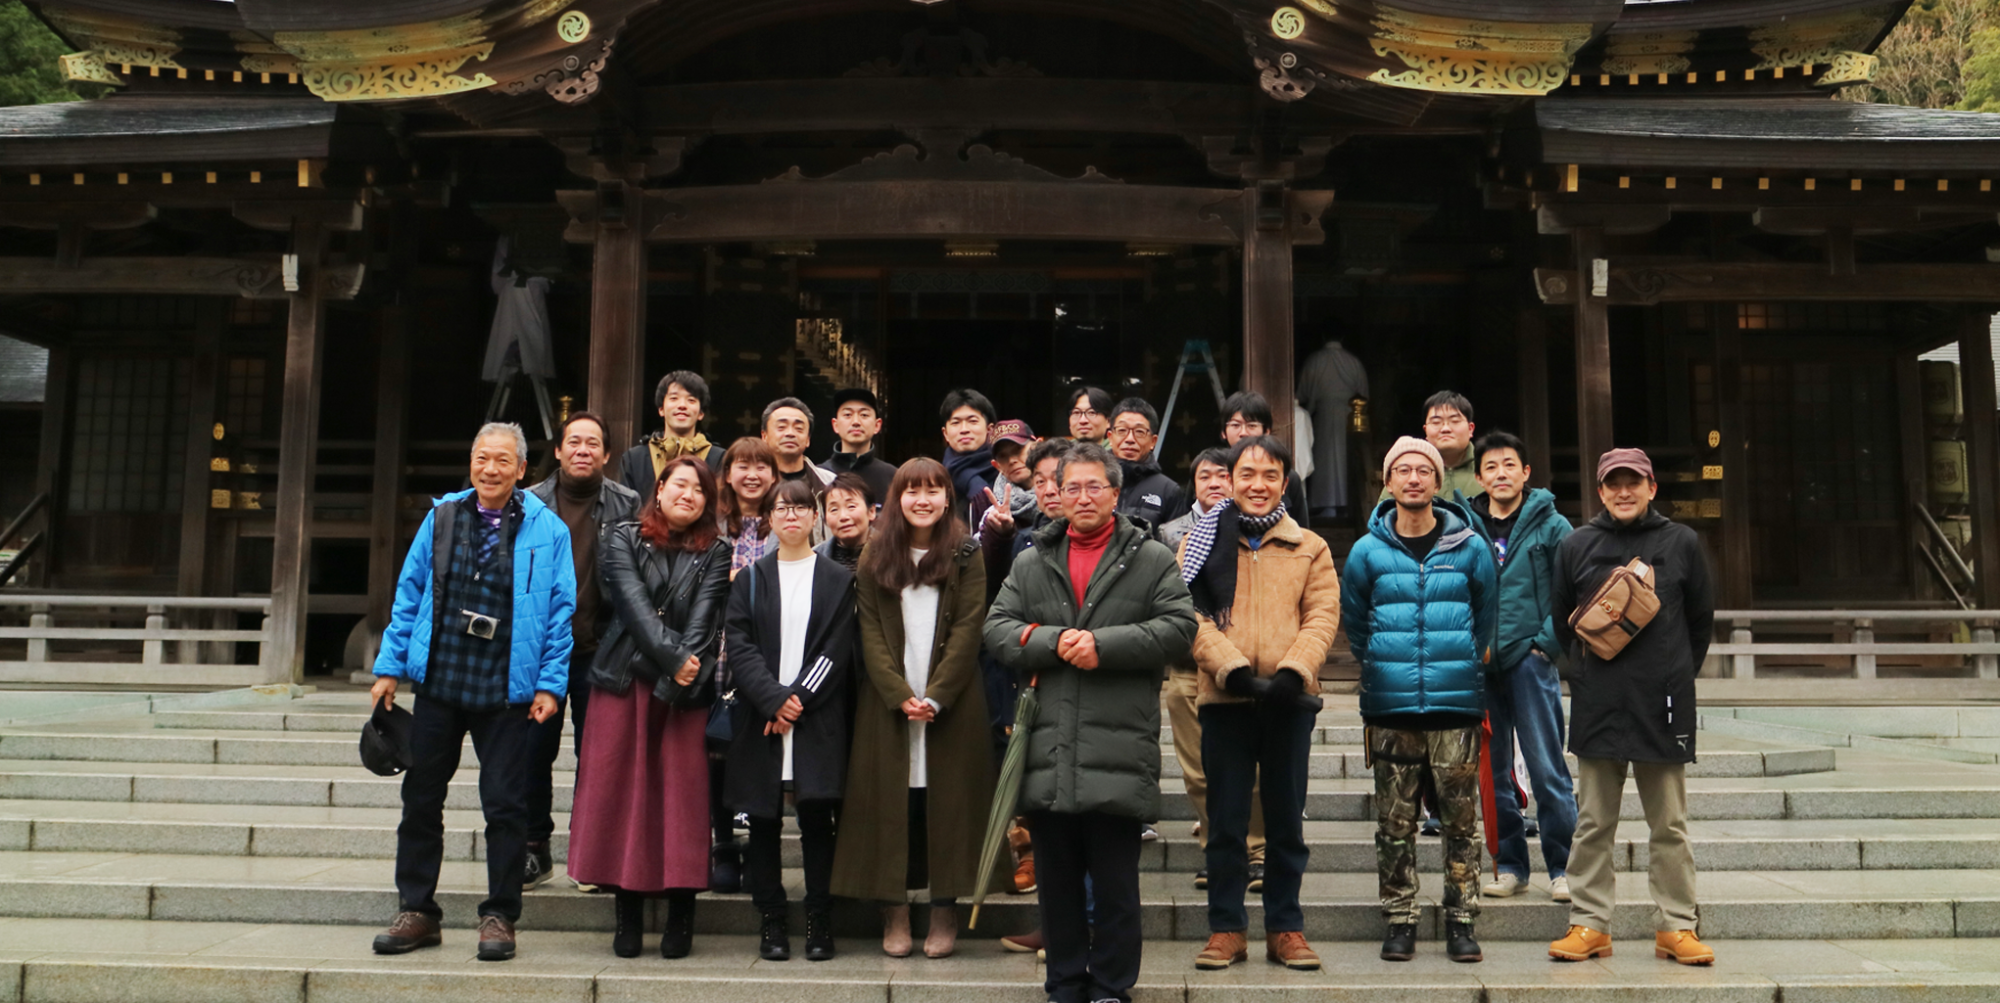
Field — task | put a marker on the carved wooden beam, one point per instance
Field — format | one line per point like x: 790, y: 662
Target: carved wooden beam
x: 1017, y: 210
x: 341, y: 215
x: 252, y: 278
x: 90, y: 215
x: 1646, y: 285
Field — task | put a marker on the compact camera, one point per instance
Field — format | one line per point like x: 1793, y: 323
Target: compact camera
x: 480, y: 625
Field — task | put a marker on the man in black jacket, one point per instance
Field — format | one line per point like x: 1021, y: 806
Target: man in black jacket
x: 682, y: 400
x: 857, y: 423
x: 1149, y: 494
x: 586, y: 501
x: 1633, y: 710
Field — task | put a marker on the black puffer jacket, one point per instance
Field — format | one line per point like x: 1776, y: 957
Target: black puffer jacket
x: 666, y: 606
x: 1149, y: 495
x: 1638, y: 706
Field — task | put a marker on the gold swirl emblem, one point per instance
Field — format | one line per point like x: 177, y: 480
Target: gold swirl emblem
x: 1288, y: 23
x: 573, y: 27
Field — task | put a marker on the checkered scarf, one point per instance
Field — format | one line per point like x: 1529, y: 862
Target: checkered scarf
x: 1213, y: 585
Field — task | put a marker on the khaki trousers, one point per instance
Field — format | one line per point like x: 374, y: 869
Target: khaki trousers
x: 1593, y: 876
x: 1179, y: 694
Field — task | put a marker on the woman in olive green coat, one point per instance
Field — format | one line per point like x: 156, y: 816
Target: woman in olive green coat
x: 922, y: 748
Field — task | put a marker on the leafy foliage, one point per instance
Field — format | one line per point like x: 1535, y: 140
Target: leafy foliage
x: 1944, y: 54
x: 28, y: 51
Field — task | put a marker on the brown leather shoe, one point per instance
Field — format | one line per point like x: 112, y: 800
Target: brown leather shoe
x: 1581, y: 943
x: 1024, y: 876
x: 1022, y: 943
x: 1222, y: 950
x: 1682, y: 946
x: 1290, y: 950
x: 410, y: 931
x: 496, y: 939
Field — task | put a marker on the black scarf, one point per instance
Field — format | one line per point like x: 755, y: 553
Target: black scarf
x: 968, y: 471
x: 1212, y: 581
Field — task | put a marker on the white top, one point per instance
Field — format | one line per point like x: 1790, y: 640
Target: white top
x: 795, y: 603
x: 920, y: 616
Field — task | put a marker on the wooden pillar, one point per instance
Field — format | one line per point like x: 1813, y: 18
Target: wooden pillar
x: 298, y: 449
x: 1912, y: 443
x: 618, y: 315
x: 1531, y: 331
x: 1734, y: 589
x: 1593, y: 366
x: 392, y: 392
x: 1975, y: 374
x: 193, y: 566
x: 1267, y: 302
x: 52, y: 467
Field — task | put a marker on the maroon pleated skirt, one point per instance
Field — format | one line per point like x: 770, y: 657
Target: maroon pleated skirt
x: 640, y: 822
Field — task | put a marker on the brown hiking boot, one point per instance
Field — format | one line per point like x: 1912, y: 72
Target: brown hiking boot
x: 1024, y: 876
x: 1223, y: 950
x: 1289, y: 949
x: 1682, y: 946
x: 1581, y: 943
x: 410, y: 931
x: 496, y: 939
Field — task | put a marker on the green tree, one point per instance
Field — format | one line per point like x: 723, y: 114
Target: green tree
x: 28, y: 51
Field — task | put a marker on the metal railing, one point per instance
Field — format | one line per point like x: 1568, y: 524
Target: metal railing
x: 20, y: 559
x: 1740, y: 653
x: 89, y: 625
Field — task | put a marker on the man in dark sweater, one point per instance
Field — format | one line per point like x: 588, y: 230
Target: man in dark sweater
x: 586, y: 501
x: 857, y: 421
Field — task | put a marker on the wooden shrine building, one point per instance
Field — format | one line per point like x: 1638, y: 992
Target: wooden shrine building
x: 264, y: 266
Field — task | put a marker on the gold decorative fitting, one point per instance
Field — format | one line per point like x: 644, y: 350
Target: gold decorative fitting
x: 428, y: 38
x: 428, y: 75
x: 1459, y: 73
x: 1322, y: 8
x: 219, y: 498
x: 574, y: 26
x: 88, y: 68
x: 249, y: 499
x: 218, y: 432
x: 1459, y: 56
x: 1711, y: 472
x: 1714, y: 438
x: 218, y: 464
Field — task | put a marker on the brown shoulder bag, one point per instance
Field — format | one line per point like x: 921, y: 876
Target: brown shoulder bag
x: 1622, y: 607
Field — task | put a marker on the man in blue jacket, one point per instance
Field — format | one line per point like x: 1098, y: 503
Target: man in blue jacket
x: 481, y: 627
x: 1417, y: 599
x: 1524, y: 698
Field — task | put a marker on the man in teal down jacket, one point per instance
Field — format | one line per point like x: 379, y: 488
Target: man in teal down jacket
x: 1093, y: 612
x: 1524, y: 697
x: 1417, y: 599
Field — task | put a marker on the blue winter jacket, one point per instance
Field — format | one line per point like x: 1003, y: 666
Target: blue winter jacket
x: 544, y: 604
x: 1527, y: 580
x: 1422, y: 633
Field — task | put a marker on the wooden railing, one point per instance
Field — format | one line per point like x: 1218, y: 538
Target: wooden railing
x: 65, y: 621
x: 1738, y: 656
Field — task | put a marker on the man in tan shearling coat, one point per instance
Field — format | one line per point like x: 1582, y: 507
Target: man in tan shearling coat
x: 1267, y: 600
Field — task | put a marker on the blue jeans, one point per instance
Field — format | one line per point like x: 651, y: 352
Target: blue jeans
x: 1526, y: 702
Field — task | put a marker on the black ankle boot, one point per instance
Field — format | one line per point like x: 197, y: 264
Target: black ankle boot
x: 725, y: 868
x: 776, y: 938
x: 1401, y: 943
x: 819, y: 936
x: 678, y: 938
x: 1458, y: 943
x: 631, y: 913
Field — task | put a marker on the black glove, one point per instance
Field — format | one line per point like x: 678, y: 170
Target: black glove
x: 1243, y: 682
x: 1285, y: 687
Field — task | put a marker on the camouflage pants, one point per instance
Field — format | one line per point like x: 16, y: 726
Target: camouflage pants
x: 1401, y: 757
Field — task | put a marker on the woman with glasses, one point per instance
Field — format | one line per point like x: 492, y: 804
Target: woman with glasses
x: 920, y: 777
x: 639, y: 825
x: 791, y: 632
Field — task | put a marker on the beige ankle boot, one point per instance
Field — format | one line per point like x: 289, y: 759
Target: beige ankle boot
x: 896, y: 931
x: 942, y: 939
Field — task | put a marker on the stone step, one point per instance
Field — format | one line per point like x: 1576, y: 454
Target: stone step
x: 1338, y: 907
x: 1328, y: 762
x: 175, y: 962
x: 210, y: 746
x: 272, y: 831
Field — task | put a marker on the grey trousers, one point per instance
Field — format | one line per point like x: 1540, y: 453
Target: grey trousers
x: 1593, y: 874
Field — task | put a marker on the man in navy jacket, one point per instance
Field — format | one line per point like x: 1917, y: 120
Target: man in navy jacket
x: 481, y: 627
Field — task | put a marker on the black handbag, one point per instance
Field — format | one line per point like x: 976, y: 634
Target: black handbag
x: 724, y: 715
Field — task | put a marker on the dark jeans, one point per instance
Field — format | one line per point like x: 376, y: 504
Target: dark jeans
x: 504, y: 740
x: 762, y: 876
x: 1093, y: 947
x: 1526, y: 703
x: 548, y: 743
x: 1237, y: 741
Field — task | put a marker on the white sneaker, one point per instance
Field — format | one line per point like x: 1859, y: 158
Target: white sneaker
x: 1504, y: 886
x: 1559, y: 889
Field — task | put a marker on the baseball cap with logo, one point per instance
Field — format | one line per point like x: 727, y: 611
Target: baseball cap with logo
x: 1013, y: 430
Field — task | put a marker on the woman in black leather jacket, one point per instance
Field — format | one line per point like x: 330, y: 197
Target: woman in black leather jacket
x: 639, y: 826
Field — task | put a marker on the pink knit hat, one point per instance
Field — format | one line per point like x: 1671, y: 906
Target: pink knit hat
x: 1412, y: 444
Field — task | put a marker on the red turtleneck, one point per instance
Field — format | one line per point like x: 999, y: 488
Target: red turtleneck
x: 1084, y: 553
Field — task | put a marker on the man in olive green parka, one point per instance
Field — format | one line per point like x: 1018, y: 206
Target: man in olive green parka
x: 1091, y: 615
